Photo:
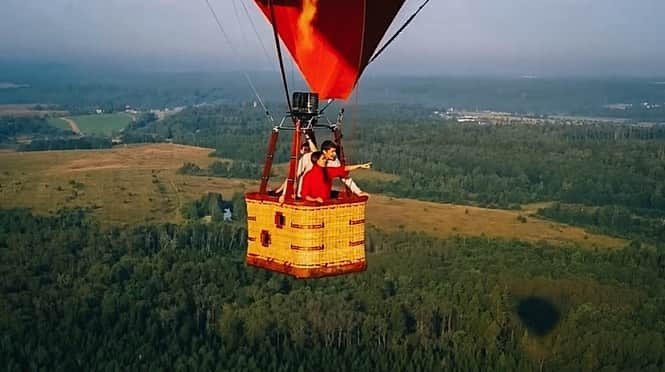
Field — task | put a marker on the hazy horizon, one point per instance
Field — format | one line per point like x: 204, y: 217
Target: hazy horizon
x: 449, y: 38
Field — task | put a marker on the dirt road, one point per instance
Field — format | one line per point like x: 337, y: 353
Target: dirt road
x: 72, y: 124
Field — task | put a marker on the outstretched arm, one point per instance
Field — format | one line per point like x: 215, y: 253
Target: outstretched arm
x: 350, y: 168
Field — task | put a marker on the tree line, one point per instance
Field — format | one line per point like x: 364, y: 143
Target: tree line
x: 70, y: 143
x: 12, y: 128
x: 610, y: 220
x: 227, y: 169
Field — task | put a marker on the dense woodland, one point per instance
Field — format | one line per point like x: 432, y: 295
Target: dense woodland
x: 611, y: 220
x: 14, y: 128
x: 67, y: 143
x: 167, y: 297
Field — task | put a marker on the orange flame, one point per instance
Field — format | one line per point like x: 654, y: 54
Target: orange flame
x: 305, y: 28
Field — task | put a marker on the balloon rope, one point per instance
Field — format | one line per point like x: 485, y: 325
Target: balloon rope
x: 279, y: 56
x: 354, y: 121
x: 258, y: 37
x: 392, y: 38
x: 228, y: 40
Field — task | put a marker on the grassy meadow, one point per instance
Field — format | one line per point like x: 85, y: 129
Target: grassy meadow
x: 59, y: 123
x: 137, y: 184
x: 100, y: 124
x: 127, y: 185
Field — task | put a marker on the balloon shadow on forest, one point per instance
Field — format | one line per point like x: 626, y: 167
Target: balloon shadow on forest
x: 538, y: 315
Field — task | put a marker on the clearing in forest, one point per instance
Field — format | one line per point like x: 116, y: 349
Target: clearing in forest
x: 101, y: 124
x: 65, y: 123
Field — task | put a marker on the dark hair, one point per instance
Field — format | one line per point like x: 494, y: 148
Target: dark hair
x: 315, y: 156
x: 328, y: 144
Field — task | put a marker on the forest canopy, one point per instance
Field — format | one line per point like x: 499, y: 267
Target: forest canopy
x: 179, y: 297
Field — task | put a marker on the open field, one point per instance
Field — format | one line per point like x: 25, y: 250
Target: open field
x: 395, y: 214
x: 61, y: 123
x: 137, y: 184
x: 126, y: 185
x: 104, y: 124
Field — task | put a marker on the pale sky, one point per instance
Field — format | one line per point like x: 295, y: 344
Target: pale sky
x: 450, y: 37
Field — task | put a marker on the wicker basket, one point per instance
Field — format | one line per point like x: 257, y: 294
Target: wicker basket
x: 304, y: 239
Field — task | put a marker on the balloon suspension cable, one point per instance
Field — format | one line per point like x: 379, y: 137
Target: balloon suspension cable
x: 293, y: 163
x: 249, y: 80
x: 272, y: 144
x: 338, y: 121
x: 340, y: 117
x: 330, y: 101
x: 392, y: 38
x: 279, y: 56
x: 258, y: 37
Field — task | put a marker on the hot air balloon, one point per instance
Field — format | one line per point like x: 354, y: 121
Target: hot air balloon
x: 332, y: 42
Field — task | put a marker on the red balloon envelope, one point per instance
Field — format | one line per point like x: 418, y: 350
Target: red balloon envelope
x: 331, y: 40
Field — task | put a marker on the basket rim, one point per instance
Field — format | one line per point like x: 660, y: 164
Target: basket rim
x: 352, y: 200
